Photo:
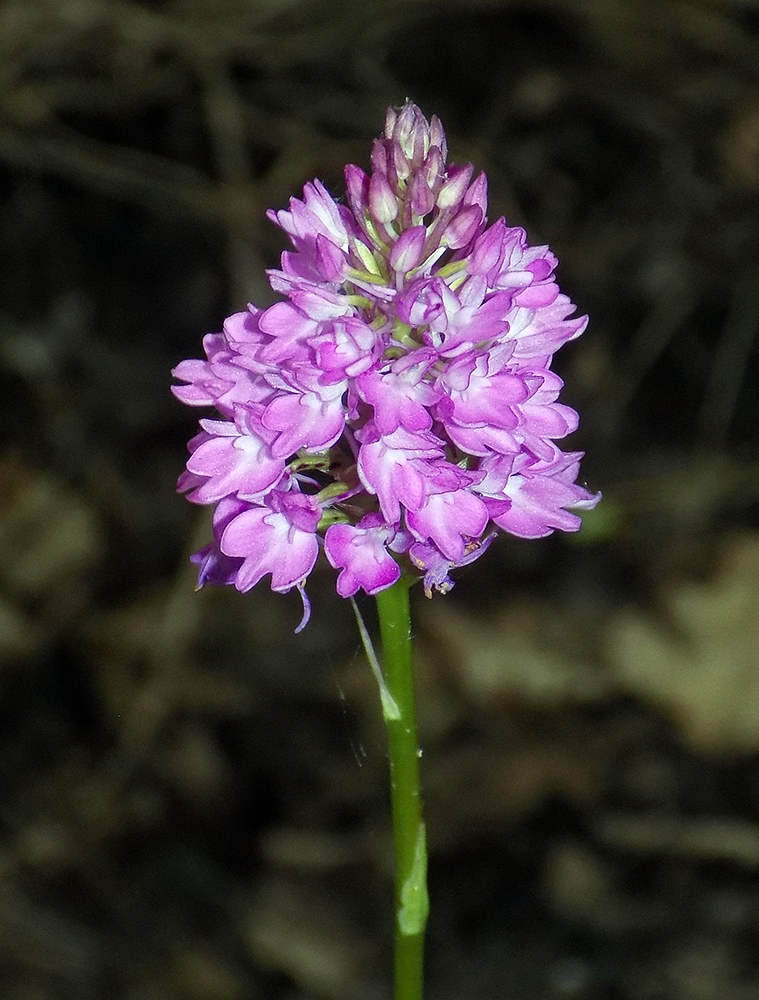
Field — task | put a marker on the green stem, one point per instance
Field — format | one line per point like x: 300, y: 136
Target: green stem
x: 411, y: 901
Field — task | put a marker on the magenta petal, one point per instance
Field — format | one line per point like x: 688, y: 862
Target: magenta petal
x: 542, y: 294
x: 448, y: 519
x: 268, y: 542
x: 362, y: 556
x: 304, y: 421
x: 398, y: 468
x: 242, y: 464
x: 540, y: 493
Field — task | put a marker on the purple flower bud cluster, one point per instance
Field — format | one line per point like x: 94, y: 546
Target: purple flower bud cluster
x: 398, y: 406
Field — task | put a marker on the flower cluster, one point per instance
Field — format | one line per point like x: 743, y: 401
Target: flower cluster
x: 398, y: 406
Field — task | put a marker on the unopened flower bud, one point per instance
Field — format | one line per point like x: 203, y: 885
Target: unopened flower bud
x: 463, y: 228
x: 383, y: 203
x: 454, y: 189
x: 407, y: 251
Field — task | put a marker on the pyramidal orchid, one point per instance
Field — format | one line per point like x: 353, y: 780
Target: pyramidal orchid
x: 396, y: 409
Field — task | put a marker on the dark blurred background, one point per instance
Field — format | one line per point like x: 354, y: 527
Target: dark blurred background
x: 193, y: 801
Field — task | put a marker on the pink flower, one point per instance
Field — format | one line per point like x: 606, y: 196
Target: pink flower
x: 361, y: 551
x: 230, y: 460
x: 397, y: 407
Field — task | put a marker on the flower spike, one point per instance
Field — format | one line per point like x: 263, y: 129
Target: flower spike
x: 397, y: 408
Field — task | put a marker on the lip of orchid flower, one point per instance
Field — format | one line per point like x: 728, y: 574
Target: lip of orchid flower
x: 397, y: 408
x: 361, y: 553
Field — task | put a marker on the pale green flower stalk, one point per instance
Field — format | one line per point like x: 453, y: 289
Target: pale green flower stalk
x: 409, y: 834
